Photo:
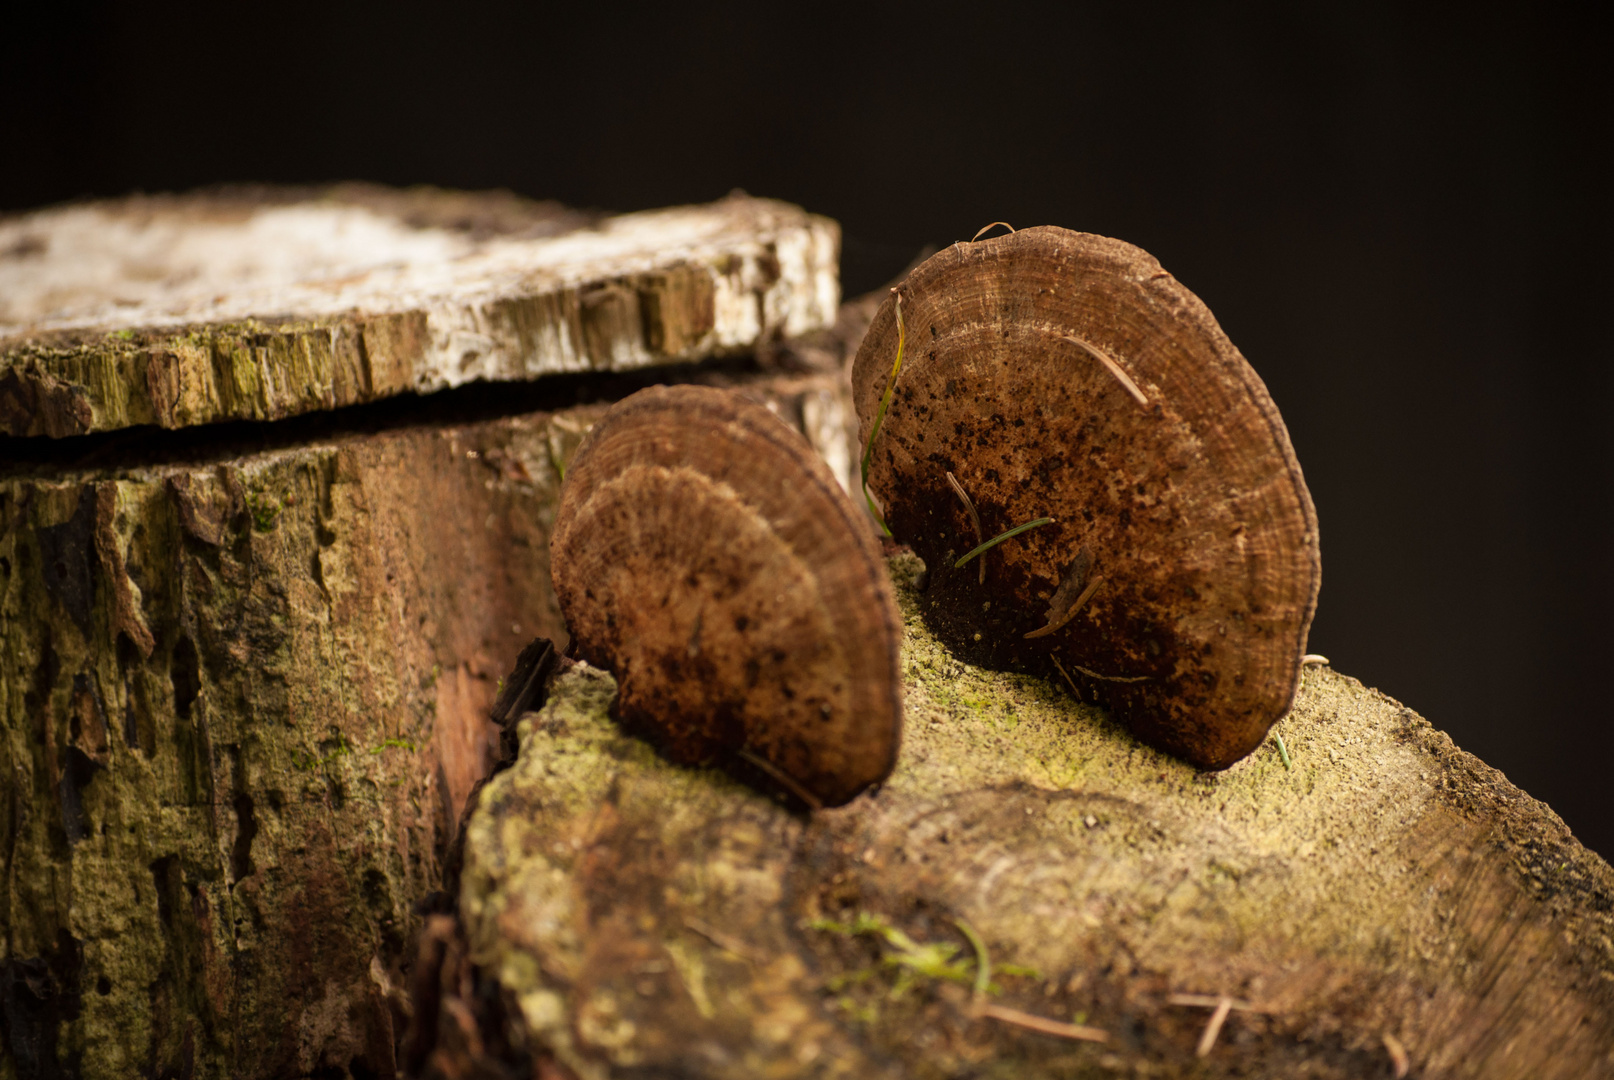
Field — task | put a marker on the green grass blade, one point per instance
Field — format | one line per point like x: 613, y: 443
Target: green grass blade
x: 1002, y: 536
x: 879, y: 415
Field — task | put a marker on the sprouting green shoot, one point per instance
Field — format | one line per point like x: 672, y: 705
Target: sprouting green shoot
x: 1283, y: 751
x: 1002, y: 536
x: 931, y: 960
x: 983, y: 966
x: 879, y: 415
x: 264, y: 509
x: 393, y: 744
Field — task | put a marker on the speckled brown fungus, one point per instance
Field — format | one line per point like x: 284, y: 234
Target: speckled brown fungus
x: 1063, y: 375
x: 707, y: 557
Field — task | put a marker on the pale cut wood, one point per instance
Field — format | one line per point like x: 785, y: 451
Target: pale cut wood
x: 1387, y: 900
x: 257, y: 304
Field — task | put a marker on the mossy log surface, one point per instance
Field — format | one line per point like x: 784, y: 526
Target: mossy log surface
x: 255, y: 304
x: 242, y: 703
x: 1388, y: 895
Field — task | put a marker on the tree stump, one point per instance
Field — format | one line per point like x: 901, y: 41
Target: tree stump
x: 256, y: 304
x: 246, y: 691
x: 248, y: 673
x: 1388, y: 905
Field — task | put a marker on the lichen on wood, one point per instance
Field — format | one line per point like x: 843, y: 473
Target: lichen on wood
x: 1389, y: 890
x: 184, y: 310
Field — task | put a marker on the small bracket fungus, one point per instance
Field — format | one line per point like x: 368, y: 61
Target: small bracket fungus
x: 1055, y: 374
x: 706, y: 557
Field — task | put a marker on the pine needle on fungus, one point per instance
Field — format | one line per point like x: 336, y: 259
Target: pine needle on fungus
x: 1002, y: 536
x: 1114, y: 369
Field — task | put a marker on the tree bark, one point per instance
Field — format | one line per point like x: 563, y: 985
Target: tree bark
x: 1388, y: 902
x: 244, y: 703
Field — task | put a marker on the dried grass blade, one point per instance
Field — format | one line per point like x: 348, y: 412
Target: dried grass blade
x: 1214, y: 1027
x: 1032, y: 1022
x: 994, y: 225
x: 975, y: 519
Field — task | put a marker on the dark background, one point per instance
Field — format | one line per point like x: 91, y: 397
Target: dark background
x: 1403, y: 222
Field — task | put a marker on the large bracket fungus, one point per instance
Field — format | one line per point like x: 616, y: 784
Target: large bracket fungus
x: 706, y: 556
x: 1056, y: 374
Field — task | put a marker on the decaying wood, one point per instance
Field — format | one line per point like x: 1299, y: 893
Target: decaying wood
x: 242, y: 702
x: 1388, y: 900
x: 258, y: 304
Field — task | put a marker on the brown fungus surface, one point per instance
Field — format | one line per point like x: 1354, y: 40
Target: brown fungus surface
x: 1063, y: 375
x: 707, y: 557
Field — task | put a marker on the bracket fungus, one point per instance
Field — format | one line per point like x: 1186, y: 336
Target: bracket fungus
x: 1055, y: 374
x: 706, y: 556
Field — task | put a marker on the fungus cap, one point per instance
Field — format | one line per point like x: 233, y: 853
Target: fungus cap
x: 1063, y: 375
x: 706, y: 556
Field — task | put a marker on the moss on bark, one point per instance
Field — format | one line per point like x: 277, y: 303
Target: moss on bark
x: 242, y: 703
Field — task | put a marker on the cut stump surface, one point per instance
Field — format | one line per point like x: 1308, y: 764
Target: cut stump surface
x: 640, y: 918
x: 264, y: 303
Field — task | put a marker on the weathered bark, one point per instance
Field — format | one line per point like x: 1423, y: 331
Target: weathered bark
x: 625, y: 917
x: 258, y: 304
x: 244, y: 701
